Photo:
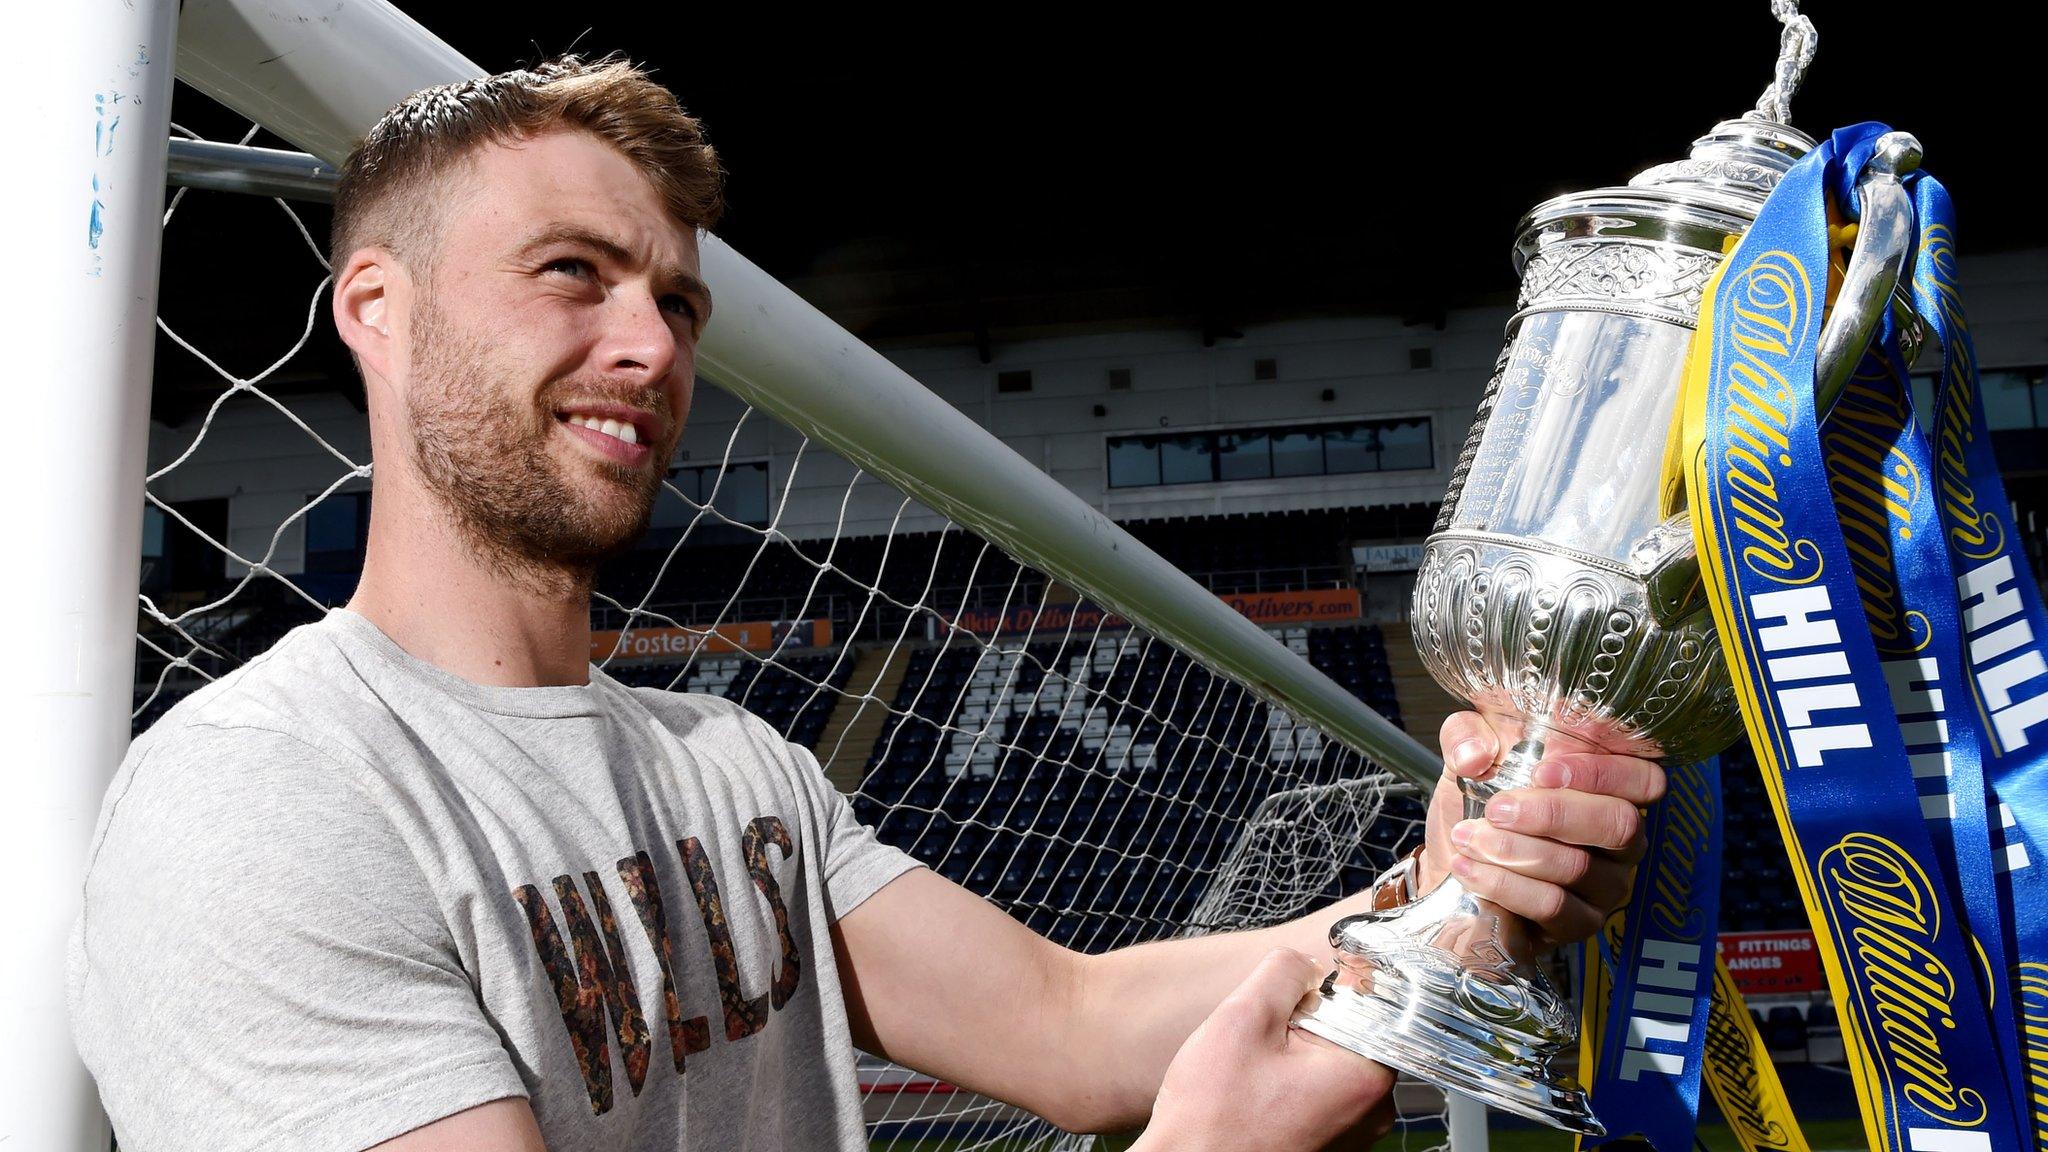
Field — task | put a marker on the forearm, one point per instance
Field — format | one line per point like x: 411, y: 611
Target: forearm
x: 1145, y: 1001
x: 1137, y: 1006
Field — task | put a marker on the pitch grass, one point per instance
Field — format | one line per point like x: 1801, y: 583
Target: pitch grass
x: 1821, y: 1135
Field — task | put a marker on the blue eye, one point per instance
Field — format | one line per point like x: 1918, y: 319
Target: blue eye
x: 568, y: 264
x: 681, y: 304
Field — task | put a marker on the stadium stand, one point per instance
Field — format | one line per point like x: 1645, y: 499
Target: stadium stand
x: 1758, y: 893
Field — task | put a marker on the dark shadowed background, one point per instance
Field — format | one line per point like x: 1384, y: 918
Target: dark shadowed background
x: 997, y: 173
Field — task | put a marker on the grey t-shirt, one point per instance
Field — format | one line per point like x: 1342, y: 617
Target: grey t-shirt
x: 342, y: 893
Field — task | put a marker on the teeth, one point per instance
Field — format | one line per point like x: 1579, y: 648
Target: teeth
x: 612, y: 428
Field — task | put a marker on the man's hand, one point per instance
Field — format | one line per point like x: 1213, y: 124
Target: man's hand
x: 1245, y: 1081
x: 1558, y: 853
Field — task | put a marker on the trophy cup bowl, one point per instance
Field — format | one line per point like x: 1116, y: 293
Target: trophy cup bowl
x: 1561, y: 588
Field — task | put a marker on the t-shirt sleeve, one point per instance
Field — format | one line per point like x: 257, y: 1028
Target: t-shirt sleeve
x: 856, y: 864
x: 260, y: 962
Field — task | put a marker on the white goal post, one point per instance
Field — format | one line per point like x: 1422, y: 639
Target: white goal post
x: 97, y: 114
x: 95, y: 99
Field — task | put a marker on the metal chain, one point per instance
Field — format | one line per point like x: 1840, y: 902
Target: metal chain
x: 1795, y: 52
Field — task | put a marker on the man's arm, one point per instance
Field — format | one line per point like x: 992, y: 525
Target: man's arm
x: 500, y: 1126
x: 938, y: 979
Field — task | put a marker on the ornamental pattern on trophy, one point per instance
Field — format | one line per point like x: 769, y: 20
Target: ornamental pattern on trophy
x: 1525, y: 627
x: 1757, y: 179
x: 1671, y: 281
x: 1477, y: 433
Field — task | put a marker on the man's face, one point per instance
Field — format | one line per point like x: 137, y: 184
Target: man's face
x: 553, y: 347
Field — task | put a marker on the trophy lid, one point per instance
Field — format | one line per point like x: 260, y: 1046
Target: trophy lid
x: 1740, y: 160
x: 1698, y: 202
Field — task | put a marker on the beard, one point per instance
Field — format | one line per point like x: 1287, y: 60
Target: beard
x: 487, y: 458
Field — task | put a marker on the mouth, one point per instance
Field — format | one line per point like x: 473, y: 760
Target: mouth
x: 620, y: 437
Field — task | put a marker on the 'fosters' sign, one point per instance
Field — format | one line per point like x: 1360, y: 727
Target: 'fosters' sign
x: 683, y: 643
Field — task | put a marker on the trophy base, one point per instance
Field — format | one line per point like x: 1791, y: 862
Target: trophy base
x: 1439, y: 990
x: 1481, y: 1067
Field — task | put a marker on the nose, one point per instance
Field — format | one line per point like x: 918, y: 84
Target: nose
x: 639, y: 339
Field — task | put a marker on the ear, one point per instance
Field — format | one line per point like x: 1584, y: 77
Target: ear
x: 371, y: 293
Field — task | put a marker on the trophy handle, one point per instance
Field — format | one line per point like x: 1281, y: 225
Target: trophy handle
x: 1885, y: 236
x: 1669, y: 568
x: 1664, y: 558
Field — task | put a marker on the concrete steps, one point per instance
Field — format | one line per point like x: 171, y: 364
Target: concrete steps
x: 856, y: 722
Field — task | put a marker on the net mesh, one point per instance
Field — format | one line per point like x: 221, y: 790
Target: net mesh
x: 1088, y: 778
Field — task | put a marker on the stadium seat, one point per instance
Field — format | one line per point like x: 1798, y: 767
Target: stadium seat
x: 1784, y: 1029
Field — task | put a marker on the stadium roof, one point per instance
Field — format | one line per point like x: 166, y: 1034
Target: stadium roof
x: 990, y: 174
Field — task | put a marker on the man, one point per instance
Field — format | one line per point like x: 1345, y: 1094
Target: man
x: 422, y: 878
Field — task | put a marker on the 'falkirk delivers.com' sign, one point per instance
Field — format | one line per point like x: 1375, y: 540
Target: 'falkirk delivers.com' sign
x: 1263, y: 607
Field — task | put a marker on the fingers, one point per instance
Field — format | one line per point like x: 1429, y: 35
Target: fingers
x: 1559, y: 914
x: 1369, y: 1083
x: 1609, y: 823
x: 1260, y: 1007
x: 1380, y: 1121
x: 1600, y: 879
x: 1636, y: 781
x: 1469, y: 745
x: 1557, y: 853
x: 1372, y: 1127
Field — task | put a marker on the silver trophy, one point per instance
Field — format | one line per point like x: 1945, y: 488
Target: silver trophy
x: 1560, y: 585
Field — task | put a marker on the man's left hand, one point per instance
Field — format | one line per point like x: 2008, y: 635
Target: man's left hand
x: 1558, y: 853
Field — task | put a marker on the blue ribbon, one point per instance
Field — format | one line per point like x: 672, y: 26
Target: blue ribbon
x: 1881, y: 467
x: 2003, y: 629
x: 1791, y: 612
x: 1647, y: 1080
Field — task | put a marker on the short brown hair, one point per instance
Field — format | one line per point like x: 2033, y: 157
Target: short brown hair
x: 381, y: 198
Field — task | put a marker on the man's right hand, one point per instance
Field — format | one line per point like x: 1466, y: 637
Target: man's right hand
x: 1246, y: 1081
